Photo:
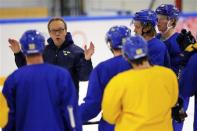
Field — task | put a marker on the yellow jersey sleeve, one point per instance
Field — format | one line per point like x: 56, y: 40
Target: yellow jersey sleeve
x: 3, y: 111
x: 111, y: 104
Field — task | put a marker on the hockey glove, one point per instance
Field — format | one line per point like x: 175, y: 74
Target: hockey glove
x: 178, y: 113
x: 184, y: 39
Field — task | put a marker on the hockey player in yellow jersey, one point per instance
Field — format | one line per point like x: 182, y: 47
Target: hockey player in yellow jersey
x: 141, y: 98
x: 3, y: 111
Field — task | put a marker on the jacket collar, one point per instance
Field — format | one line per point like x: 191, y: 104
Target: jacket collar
x: 68, y: 41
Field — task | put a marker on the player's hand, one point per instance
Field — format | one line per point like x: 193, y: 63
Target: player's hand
x: 88, y: 52
x: 14, y: 45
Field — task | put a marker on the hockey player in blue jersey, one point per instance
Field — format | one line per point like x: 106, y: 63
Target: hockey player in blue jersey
x: 144, y: 24
x: 101, y: 75
x: 188, y: 83
x: 168, y: 15
x: 40, y: 96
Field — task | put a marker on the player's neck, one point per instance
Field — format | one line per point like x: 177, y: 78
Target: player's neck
x: 147, y: 38
x: 34, y: 59
x: 144, y: 65
x: 168, y: 33
x: 117, y: 52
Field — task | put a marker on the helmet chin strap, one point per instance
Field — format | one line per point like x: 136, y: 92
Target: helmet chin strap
x: 169, y: 27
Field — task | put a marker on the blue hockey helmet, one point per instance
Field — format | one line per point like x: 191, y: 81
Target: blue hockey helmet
x: 168, y: 10
x: 134, y: 47
x: 116, y: 36
x: 146, y: 16
x: 32, y: 42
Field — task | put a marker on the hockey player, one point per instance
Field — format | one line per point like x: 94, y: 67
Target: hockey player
x: 168, y: 15
x: 188, y: 83
x: 61, y: 51
x: 40, y: 96
x: 144, y: 24
x: 101, y: 75
x: 140, y: 99
x: 3, y: 111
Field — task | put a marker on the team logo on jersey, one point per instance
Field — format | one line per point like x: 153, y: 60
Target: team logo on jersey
x: 66, y: 52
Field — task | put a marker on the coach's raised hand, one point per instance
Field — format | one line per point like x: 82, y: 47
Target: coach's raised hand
x: 14, y: 45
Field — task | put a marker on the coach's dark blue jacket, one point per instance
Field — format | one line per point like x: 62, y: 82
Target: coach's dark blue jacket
x: 68, y: 56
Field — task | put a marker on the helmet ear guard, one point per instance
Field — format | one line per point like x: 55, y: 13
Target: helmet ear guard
x: 32, y: 42
x: 126, y: 57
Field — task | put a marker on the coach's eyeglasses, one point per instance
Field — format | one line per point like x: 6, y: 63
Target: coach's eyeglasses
x: 54, y: 31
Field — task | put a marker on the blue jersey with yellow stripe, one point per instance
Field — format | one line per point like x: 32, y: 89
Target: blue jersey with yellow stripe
x: 39, y: 97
